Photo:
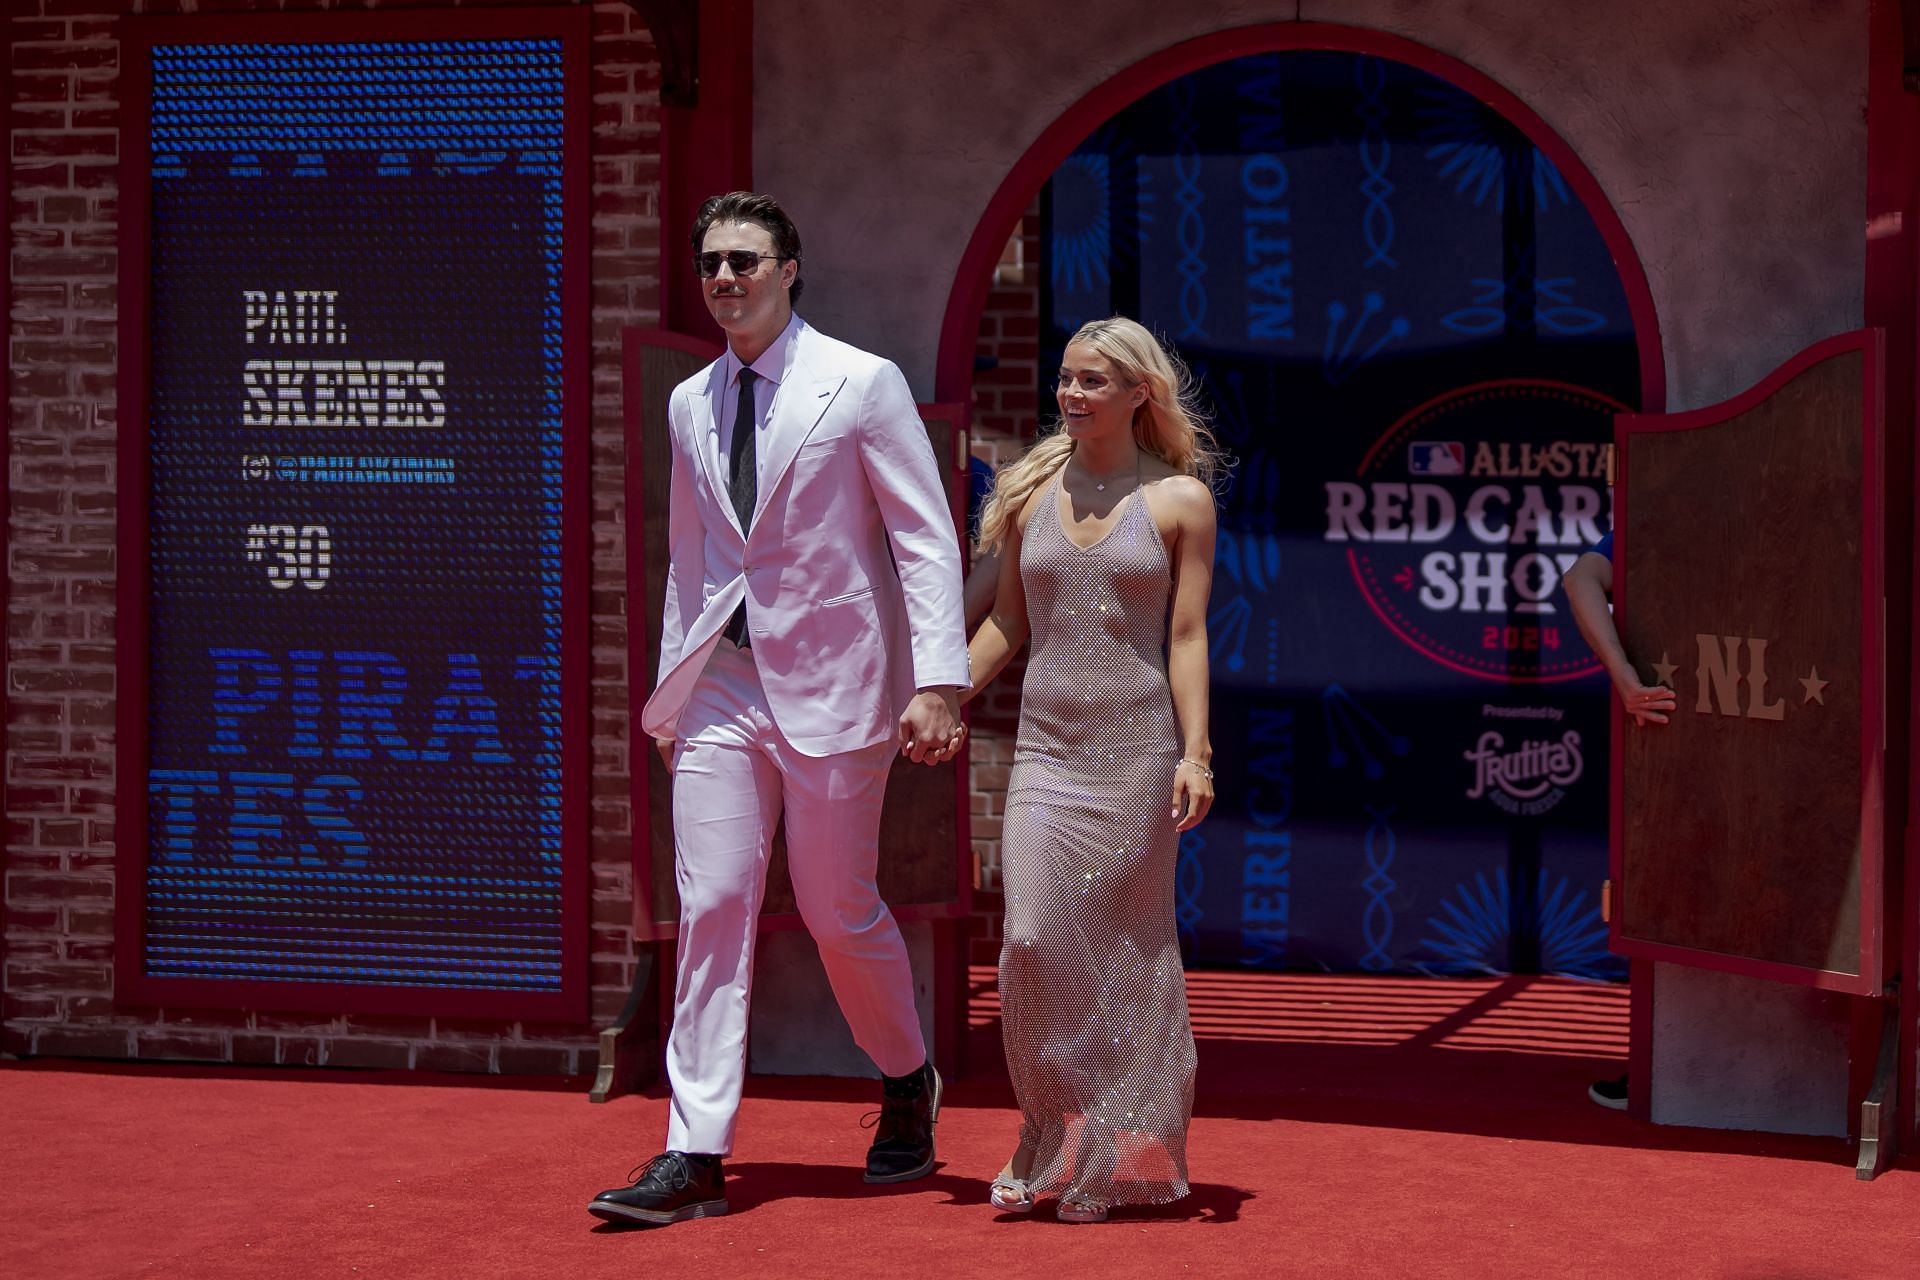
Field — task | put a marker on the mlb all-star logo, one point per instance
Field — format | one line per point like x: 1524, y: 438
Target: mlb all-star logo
x: 1463, y: 516
x: 1529, y: 778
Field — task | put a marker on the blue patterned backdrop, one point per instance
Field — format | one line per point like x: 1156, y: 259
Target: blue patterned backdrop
x: 1412, y: 337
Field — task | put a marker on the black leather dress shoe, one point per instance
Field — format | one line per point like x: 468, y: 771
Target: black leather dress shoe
x: 902, y: 1147
x: 672, y: 1187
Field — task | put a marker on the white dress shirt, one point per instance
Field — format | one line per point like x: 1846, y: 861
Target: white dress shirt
x: 771, y: 368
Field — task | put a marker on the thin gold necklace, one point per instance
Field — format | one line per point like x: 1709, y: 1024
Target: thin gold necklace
x: 1099, y: 485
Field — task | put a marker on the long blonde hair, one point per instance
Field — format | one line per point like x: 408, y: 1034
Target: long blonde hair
x: 1168, y: 424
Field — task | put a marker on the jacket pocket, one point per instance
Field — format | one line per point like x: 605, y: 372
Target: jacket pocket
x: 825, y: 442
x: 851, y: 595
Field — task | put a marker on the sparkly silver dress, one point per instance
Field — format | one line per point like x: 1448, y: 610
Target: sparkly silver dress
x: 1094, y: 1004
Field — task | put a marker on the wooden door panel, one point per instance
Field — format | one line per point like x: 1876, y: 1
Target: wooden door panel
x: 1747, y: 544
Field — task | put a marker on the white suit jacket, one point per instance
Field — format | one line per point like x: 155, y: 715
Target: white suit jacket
x: 850, y: 566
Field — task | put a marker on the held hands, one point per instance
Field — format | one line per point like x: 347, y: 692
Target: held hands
x: 1192, y: 793
x: 930, y: 728
x: 1647, y: 704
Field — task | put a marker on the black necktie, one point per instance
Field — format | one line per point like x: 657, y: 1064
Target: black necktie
x: 741, y: 480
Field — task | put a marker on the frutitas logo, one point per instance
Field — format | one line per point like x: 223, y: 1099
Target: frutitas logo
x: 1464, y: 515
x: 1530, y: 779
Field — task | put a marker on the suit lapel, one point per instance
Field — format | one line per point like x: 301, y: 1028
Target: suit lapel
x: 706, y: 437
x: 798, y: 406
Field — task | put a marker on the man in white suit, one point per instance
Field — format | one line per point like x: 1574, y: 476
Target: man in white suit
x: 812, y: 628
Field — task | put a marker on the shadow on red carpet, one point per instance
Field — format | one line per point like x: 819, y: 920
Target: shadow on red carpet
x: 753, y: 1184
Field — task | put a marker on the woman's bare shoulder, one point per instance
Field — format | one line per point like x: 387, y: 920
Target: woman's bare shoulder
x: 1175, y: 491
x: 1031, y: 503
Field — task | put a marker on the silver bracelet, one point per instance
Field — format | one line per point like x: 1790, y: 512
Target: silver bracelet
x: 1204, y: 771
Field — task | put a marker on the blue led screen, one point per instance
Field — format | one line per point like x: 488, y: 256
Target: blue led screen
x: 355, y: 514
x: 1412, y: 336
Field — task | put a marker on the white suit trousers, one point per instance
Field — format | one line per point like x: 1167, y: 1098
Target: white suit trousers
x: 733, y: 774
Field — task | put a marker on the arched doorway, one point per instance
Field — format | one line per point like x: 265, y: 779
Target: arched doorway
x: 1414, y: 313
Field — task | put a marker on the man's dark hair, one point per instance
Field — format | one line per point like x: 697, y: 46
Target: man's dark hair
x: 751, y: 206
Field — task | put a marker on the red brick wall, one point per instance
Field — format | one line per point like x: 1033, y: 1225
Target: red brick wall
x: 1006, y: 417
x: 1005, y: 407
x: 56, y: 991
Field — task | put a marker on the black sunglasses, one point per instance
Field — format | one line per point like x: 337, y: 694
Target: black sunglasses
x: 743, y: 261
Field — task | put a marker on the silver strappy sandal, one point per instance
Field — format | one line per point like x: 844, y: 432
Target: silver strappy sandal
x: 1011, y: 1195
x: 1074, y: 1208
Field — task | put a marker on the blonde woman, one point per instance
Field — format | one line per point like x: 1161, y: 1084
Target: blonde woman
x: 1105, y: 532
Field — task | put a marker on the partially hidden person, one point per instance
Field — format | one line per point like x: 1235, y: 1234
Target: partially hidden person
x: 1589, y: 587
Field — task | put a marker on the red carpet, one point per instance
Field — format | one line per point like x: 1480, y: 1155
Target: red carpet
x: 1346, y: 1127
